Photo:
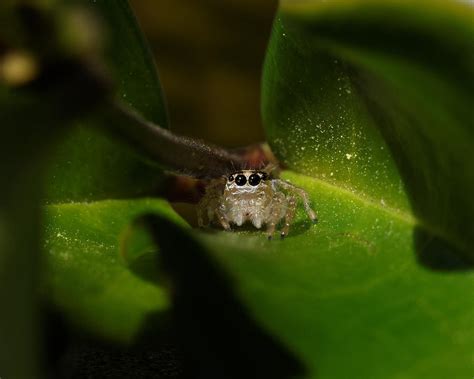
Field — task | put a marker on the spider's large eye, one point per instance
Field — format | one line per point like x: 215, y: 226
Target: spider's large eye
x: 254, y: 179
x: 240, y: 180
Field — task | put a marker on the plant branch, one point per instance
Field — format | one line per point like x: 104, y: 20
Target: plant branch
x: 182, y: 155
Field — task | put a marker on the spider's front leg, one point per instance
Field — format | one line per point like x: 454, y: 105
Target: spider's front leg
x: 209, y: 203
x: 289, y: 216
x: 292, y: 191
x: 201, y: 209
x: 278, y: 209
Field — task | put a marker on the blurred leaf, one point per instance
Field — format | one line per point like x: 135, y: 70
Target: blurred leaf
x: 100, y: 291
x: 22, y: 152
x: 131, y: 61
x: 37, y: 105
x: 88, y: 165
x: 30, y: 126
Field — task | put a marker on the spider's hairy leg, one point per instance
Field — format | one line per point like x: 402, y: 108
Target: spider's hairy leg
x: 201, y: 208
x: 209, y: 202
x: 289, y: 216
x: 278, y: 210
x: 293, y: 190
x: 222, y: 218
x: 271, y: 224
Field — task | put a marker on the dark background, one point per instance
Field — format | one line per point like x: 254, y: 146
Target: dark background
x: 209, y: 54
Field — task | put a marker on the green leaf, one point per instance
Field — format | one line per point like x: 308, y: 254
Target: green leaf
x: 350, y: 97
x: 87, y: 275
x: 348, y: 295
x: 98, y: 289
x: 90, y: 166
x: 131, y: 62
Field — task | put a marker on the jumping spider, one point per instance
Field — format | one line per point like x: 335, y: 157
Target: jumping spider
x: 252, y: 195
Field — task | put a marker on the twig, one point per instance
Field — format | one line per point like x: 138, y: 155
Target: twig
x: 182, y: 155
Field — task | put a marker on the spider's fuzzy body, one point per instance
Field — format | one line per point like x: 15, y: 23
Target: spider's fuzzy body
x: 252, y: 196
x: 248, y: 202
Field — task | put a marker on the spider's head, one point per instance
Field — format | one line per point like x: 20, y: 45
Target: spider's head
x: 246, y: 179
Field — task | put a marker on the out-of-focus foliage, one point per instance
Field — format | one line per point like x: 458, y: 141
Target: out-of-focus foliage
x: 109, y: 294
x: 89, y: 165
x: 36, y: 105
x: 50, y: 77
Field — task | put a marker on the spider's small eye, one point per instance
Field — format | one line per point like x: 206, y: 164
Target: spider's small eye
x: 230, y: 178
x: 254, y: 179
x: 264, y: 176
x: 240, y: 180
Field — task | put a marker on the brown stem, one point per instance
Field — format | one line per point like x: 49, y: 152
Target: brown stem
x: 182, y: 155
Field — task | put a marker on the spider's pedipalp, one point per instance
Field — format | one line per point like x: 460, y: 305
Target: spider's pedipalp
x: 258, y: 219
x: 222, y: 219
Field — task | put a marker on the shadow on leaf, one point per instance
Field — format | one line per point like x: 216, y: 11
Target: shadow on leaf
x: 145, y: 267
x: 436, y: 254
x: 218, y: 338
